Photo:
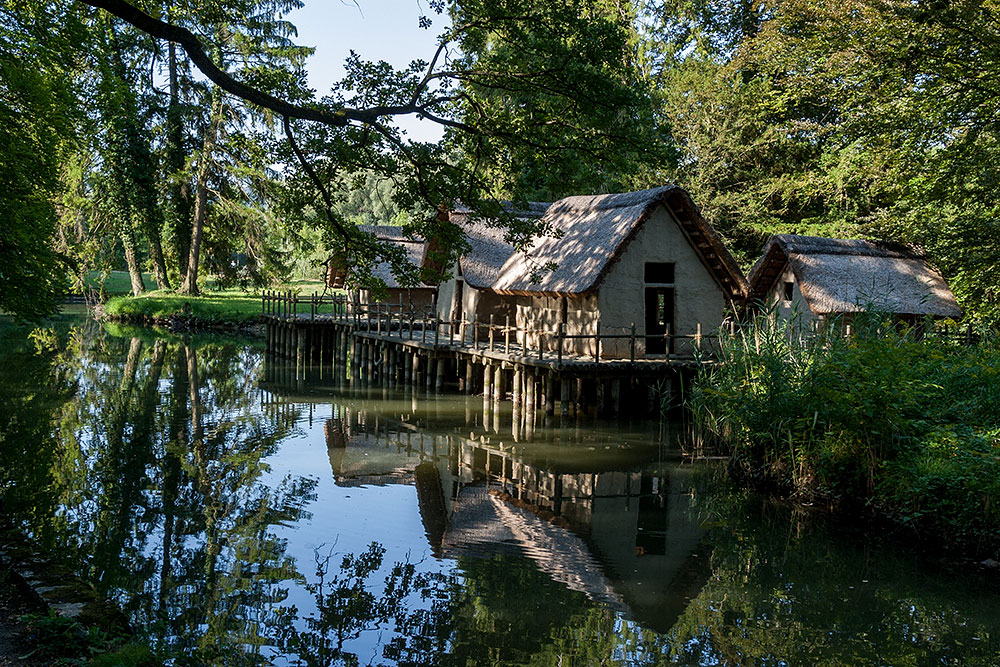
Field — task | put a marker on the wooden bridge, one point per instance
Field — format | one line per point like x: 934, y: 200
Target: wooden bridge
x: 389, y: 345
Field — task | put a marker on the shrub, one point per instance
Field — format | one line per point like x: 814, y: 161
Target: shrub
x: 909, y: 426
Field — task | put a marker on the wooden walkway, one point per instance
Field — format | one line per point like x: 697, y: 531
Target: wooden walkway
x: 386, y: 345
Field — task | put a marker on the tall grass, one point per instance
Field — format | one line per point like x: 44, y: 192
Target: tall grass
x: 909, y: 427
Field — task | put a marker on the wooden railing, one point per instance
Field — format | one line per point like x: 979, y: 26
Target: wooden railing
x: 400, y: 320
x: 395, y: 320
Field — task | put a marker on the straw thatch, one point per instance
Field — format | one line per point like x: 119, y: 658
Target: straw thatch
x: 414, y: 247
x: 848, y: 276
x: 488, y: 250
x: 593, y: 232
x: 389, y: 233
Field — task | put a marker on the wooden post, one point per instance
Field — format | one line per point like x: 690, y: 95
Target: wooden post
x: 491, y: 332
x: 498, y: 383
x: 631, y: 345
x: 487, y: 380
x: 506, y: 335
x: 697, y: 336
x: 559, y: 341
x: 370, y: 360
x: 516, y: 389
x: 597, y: 339
x: 384, y: 372
x: 469, y: 369
x: 550, y: 393
x: 475, y: 332
x: 441, y: 365
x: 564, y: 397
x: 529, y: 396
x: 437, y: 331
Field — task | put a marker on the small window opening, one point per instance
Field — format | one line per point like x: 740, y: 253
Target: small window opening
x: 659, y: 272
x: 788, y: 290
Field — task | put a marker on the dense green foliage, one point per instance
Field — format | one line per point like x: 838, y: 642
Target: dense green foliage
x: 910, y: 428
x: 872, y: 118
x: 36, y: 127
x: 864, y: 118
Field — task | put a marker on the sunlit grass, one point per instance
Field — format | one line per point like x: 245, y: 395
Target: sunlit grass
x: 215, y: 306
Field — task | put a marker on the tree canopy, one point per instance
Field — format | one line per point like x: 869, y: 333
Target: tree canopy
x: 864, y: 118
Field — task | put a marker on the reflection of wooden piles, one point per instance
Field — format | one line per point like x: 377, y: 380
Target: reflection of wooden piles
x: 336, y: 444
x: 336, y: 435
x: 430, y: 498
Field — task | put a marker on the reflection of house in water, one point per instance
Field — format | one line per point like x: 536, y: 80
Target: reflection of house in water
x: 625, y: 538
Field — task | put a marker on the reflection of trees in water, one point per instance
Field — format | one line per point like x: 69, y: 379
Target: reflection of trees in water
x: 157, y: 469
x: 145, y: 459
x: 491, y: 611
x: 785, y: 589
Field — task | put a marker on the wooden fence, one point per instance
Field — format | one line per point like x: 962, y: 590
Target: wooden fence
x: 395, y: 320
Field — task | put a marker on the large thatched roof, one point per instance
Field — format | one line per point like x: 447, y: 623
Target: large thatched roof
x: 488, y: 250
x: 414, y: 247
x: 846, y: 276
x: 593, y: 233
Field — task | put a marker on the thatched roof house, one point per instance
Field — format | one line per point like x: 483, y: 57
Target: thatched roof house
x: 468, y: 292
x: 646, y: 258
x: 818, y: 277
x: 593, y: 234
x: 488, y: 249
x: 416, y: 298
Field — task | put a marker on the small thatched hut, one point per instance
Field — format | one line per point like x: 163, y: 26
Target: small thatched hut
x: 419, y: 298
x: 814, y: 278
x: 646, y: 258
x: 467, y: 293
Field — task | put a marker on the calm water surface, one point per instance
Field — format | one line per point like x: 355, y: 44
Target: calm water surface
x: 242, y: 517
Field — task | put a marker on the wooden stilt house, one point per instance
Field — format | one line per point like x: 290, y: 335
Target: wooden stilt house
x: 813, y: 279
x: 643, y: 262
x: 417, y: 298
x: 467, y: 294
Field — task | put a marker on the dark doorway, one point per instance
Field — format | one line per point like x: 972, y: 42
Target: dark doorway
x: 458, y: 307
x: 659, y: 318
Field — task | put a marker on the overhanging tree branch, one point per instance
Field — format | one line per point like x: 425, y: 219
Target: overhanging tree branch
x: 193, y: 47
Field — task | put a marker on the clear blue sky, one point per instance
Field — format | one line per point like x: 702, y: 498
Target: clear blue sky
x: 376, y: 30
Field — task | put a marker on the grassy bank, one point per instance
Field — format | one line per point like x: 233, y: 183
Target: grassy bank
x: 227, y: 307
x: 908, y: 429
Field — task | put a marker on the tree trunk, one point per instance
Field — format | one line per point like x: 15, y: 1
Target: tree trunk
x: 190, y: 284
x: 134, y: 270
x: 152, y: 228
x: 179, y: 190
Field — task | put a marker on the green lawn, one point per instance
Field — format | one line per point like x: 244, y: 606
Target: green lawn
x: 118, y: 282
x: 229, y: 306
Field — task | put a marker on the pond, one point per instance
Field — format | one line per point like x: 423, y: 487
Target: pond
x: 239, y: 518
